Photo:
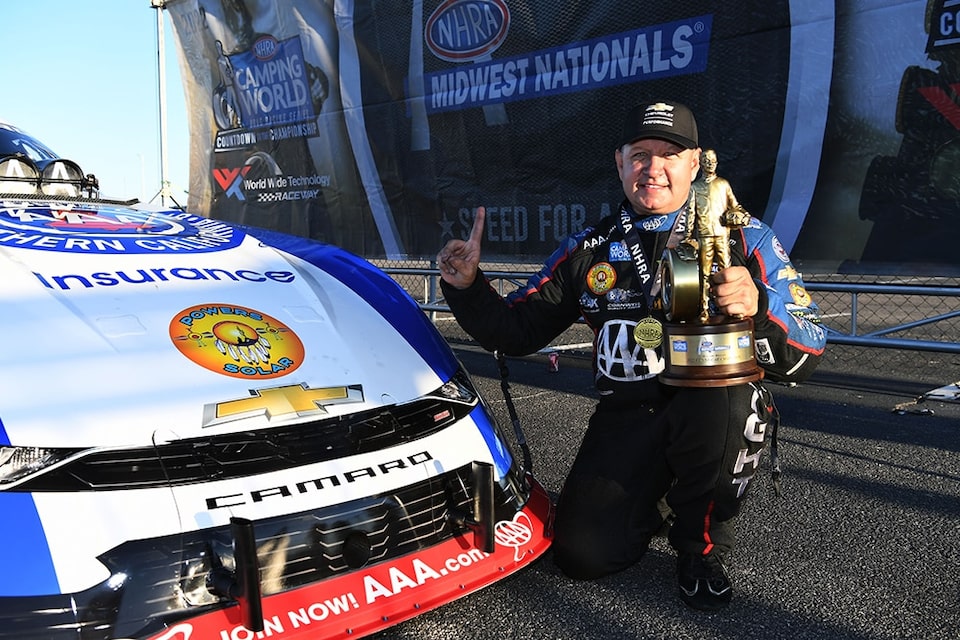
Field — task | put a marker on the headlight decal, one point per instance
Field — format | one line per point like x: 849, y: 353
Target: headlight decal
x: 460, y: 387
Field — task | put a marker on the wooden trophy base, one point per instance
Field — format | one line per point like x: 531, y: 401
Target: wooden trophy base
x: 720, y: 353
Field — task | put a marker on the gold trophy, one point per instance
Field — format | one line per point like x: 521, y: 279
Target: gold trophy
x: 700, y: 349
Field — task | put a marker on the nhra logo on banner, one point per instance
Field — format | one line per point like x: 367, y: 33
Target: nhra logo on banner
x: 463, y: 30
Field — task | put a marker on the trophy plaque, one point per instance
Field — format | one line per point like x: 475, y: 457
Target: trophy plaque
x: 699, y: 349
x: 716, y: 353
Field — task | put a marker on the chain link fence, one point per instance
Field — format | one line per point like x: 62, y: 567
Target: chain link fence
x: 890, y: 329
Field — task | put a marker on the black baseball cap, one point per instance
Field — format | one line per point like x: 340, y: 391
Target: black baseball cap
x: 663, y: 120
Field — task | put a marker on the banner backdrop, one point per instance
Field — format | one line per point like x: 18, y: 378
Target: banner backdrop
x: 379, y: 126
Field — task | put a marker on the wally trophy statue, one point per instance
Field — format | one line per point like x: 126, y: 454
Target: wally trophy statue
x: 715, y: 210
x: 705, y: 348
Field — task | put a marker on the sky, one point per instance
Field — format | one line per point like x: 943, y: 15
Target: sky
x: 83, y: 78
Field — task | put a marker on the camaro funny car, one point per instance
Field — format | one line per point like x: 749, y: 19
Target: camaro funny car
x: 210, y: 431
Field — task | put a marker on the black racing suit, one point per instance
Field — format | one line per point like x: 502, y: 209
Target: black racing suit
x: 699, y: 446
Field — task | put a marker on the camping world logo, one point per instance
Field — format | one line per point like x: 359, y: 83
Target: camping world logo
x: 236, y: 341
x: 464, y: 30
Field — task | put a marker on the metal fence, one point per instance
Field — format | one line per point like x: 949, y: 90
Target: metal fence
x: 886, y: 326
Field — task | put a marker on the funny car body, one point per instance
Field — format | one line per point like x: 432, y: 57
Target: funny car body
x: 209, y: 431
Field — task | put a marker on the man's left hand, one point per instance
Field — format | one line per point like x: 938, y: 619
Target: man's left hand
x: 734, y: 292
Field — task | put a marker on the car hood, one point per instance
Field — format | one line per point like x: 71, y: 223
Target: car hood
x: 126, y: 327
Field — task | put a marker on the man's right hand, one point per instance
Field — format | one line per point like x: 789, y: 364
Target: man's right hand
x: 458, y: 260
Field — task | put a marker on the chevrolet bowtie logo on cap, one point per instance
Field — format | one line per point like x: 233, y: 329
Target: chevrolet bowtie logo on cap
x: 281, y: 403
x: 662, y: 120
x: 659, y: 113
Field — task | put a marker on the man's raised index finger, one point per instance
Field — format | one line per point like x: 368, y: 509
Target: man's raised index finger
x: 476, y: 232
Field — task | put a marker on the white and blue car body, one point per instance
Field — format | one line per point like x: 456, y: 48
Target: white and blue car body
x: 209, y: 431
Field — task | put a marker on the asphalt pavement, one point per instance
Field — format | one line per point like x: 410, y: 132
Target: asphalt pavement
x: 863, y: 543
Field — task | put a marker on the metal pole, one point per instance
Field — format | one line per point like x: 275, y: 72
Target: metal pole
x: 162, y: 90
x: 433, y: 287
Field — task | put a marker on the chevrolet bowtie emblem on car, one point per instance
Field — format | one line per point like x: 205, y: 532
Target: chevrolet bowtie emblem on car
x: 281, y: 403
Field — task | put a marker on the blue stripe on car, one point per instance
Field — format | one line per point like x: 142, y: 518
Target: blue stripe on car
x: 377, y: 289
x: 501, y: 454
x: 27, y: 564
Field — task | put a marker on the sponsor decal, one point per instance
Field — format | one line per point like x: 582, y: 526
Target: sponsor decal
x: 660, y: 113
x: 271, y: 83
x: 382, y: 595
x: 464, y: 30
x: 601, y: 278
x: 268, y: 183
x: 779, y: 251
x: 787, y: 273
x: 588, y: 303
x: 754, y: 430
x: 764, y: 352
x: 804, y: 314
x: 265, y: 48
x: 943, y: 23
x: 653, y: 223
x: 277, y: 404
x: 658, y: 51
x: 620, y: 358
x: 619, y: 295
x: 312, y: 485
x: 800, y: 295
x: 157, y: 276
x: 231, y: 180
x: 702, y: 350
x: 86, y: 228
x: 236, y: 341
x: 593, y: 242
x: 515, y: 534
x: 705, y: 346
x: 619, y: 252
x: 618, y: 299
x: 240, y: 139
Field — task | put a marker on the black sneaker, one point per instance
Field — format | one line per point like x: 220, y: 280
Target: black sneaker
x: 703, y: 581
